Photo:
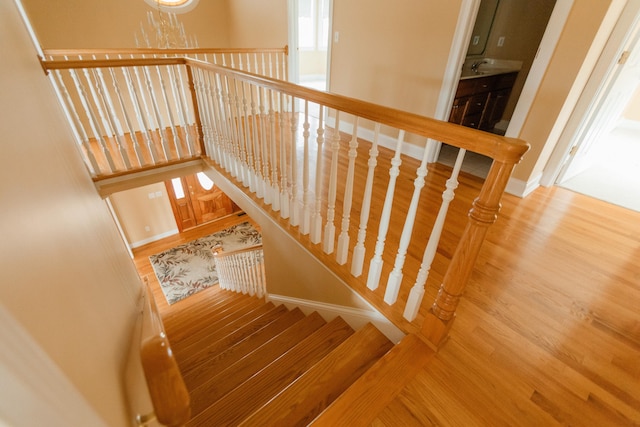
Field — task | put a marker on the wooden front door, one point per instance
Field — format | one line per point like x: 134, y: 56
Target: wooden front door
x: 195, y: 200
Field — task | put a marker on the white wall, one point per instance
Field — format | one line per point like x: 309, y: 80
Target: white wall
x: 67, y: 280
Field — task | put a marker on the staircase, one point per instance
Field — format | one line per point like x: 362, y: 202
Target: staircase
x: 247, y: 362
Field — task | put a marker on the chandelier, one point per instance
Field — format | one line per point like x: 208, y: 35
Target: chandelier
x: 163, y: 30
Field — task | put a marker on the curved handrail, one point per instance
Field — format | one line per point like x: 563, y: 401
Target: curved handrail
x: 168, y: 392
x: 220, y: 253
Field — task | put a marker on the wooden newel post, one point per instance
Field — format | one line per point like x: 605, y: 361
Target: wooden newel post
x: 483, y: 213
x: 196, y: 110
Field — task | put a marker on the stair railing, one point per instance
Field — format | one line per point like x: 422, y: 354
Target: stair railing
x: 167, y: 389
x: 135, y: 115
x: 284, y: 143
x: 241, y: 270
x: 263, y: 132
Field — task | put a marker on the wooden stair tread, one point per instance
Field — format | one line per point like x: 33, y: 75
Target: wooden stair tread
x: 192, y: 319
x: 314, y: 390
x: 191, y: 351
x: 376, y: 388
x: 223, y: 318
x: 260, y: 388
x: 209, y: 297
x: 231, y: 377
x: 221, y: 361
x: 237, y: 335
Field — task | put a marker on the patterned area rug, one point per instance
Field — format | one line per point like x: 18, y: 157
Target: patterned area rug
x: 188, y: 269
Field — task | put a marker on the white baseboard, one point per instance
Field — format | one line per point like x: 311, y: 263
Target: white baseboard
x: 356, y: 318
x: 521, y: 188
x: 153, y: 238
x: 385, y: 141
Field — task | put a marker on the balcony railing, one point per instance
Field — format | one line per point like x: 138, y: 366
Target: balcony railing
x: 331, y: 166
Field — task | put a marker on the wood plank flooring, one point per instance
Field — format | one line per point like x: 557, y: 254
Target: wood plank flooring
x: 547, y: 333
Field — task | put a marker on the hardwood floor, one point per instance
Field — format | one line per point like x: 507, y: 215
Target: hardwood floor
x: 548, y: 331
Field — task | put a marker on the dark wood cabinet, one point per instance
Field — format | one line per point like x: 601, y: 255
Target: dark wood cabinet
x: 480, y: 101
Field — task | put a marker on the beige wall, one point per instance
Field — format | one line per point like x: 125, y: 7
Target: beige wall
x: 144, y: 207
x: 258, y: 23
x: 578, y: 34
x: 66, y: 276
x: 392, y: 53
x: 632, y: 110
x: 113, y: 23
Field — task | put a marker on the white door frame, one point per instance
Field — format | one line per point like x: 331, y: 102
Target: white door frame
x: 585, y: 115
x: 294, y: 56
x: 462, y: 35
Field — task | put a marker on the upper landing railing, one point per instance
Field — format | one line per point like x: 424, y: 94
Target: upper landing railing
x: 136, y: 116
x: 350, y: 192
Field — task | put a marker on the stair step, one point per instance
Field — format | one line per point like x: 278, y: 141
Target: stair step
x: 234, y: 336
x: 313, y: 391
x: 210, y: 297
x: 189, y: 351
x: 376, y: 388
x: 221, y: 361
x: 216, y: 298
x: 231, y: 313
x: 264, y: 385
x: 231, y: 377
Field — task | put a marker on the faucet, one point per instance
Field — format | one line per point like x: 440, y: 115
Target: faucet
x: 475, y: 65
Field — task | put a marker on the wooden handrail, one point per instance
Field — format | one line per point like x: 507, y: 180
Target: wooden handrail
x: 148, y: 51
x: 500, y: 148
x: 167, y: 389
x: 497, y: 147
x: 218, y: 252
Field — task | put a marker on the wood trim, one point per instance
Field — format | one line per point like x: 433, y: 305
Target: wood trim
x: 148, y: 51
x: 169, y: 394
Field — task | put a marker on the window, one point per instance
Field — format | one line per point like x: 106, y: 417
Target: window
x: 313, y: 24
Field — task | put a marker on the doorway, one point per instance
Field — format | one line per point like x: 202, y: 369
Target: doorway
x: 506, y: 32
x: 310, y: 31
x: 196, y: 200
x: 602, y: 159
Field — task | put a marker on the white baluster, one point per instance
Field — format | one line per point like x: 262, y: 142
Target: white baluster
x: 172, y: 121
x: 417, y: 291
x: 180, y: 100
x: 295, y: 206
x: 142, y: 123
x: 93, y: 121
x: 316, y: 226
x: 330, y: 228
x: 203, y: 97
x: 79, y: 130
x: 92, y: 83
x: 264, y: 139
x: 228, y: 107
x: 343, y: 239
x: 244, y: 143
x: 112, y: 117
x: 395, y: 278
x: 284, y: 196
x: 275, y: 196
x: 375, y: 266
x: 306, y: 210
x: 156, y: 112
x: 359, y: 250
x: 127, y: 120
x: 257, y: 166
